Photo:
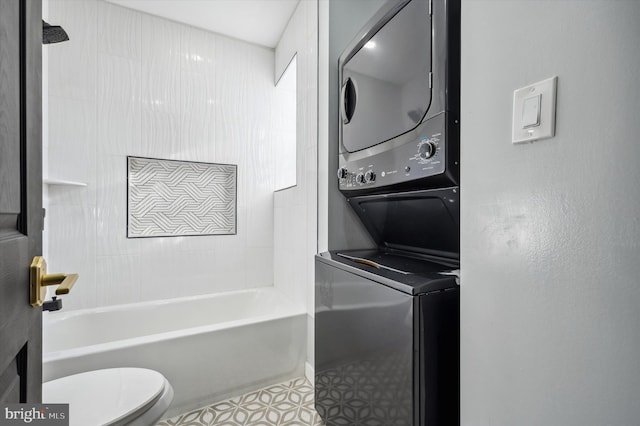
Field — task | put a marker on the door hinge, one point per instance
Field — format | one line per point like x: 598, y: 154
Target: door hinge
x: 430, y: 80
x: 44, y: 214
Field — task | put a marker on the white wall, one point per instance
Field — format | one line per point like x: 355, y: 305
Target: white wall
x: 131, y: 84
x: 550, y: 230
x: 295, y: 208
x: 285, y: 147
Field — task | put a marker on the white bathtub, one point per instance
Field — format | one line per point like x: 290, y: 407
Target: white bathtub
x: 208, y: 347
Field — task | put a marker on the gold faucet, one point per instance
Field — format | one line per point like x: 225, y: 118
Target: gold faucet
x: 40, y: 280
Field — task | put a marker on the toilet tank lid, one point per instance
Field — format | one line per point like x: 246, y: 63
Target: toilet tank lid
x: 102, y: 397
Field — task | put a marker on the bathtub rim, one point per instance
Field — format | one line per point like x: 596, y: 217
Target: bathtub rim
x: 53, y: 356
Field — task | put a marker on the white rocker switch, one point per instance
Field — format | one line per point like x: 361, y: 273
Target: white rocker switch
x: 531, y: 112
x: 534, y: 111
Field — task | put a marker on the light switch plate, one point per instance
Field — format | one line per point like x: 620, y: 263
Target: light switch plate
x: 524, y: 127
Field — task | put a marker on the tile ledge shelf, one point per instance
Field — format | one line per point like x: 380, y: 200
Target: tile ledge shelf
x: 52, y: 181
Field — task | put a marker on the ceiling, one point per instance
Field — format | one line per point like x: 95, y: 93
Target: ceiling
x: 256, y: 21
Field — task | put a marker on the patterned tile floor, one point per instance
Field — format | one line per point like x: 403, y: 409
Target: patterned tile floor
x: 284, y: 404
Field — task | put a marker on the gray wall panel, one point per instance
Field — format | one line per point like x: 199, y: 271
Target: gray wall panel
x: 550, y: 231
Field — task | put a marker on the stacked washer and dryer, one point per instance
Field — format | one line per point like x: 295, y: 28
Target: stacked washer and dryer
x: 387, y: 346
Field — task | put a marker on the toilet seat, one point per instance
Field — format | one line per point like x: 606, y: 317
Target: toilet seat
x: 115, y: 396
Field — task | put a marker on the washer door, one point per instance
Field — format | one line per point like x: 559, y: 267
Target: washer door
x: 363, y: 350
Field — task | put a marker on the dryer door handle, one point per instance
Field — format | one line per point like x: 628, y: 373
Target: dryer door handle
x: 348, y: 99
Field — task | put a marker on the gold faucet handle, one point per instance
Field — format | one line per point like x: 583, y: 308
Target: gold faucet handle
x: 40, y: 280
x: 66, y: 282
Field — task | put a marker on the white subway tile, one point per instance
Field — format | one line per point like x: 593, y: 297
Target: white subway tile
x: 118, y: 30
x: 197, y: 117
x: 118, y: 112
x: 72, y: 64
x: 259, y: 267
x: 72, y: 150
x: 160, y: 134
x: 197, y: 49
x: 111, y: 220
x: 118, y: 280
x: 72, y: 249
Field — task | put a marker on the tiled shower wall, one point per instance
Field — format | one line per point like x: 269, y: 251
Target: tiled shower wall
x: 128, y: 83
x: 295, y: 208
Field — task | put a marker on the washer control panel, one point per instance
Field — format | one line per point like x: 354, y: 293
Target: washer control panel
x: 420, y: 157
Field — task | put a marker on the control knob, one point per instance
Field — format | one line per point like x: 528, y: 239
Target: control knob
x: 360, y: 178
x: 342, y: 173
x: 370, y: 176
x: 427, y: 150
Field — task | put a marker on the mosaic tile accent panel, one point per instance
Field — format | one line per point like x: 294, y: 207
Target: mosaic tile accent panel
x: 168, y: 198
x: 284, y: 404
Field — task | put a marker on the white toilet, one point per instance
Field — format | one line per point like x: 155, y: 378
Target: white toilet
x: 115, y: 396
